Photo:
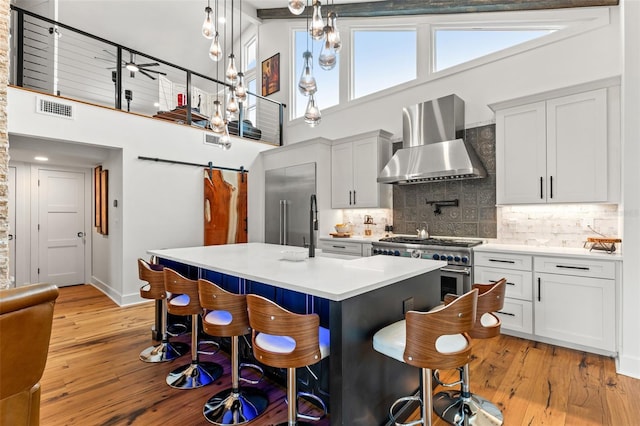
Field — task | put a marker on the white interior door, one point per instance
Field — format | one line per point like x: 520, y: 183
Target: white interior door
x: 12, y: 222
x: 61, y: 218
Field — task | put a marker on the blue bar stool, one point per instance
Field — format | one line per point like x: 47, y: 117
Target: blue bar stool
x: 225, y: 315
x: 453, y: 404
x: 429, y: 340
x: 154, y: 289
x: 183, y: 299
x: 284, y: 339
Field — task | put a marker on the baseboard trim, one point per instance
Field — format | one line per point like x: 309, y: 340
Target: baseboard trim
x: 628, y: 366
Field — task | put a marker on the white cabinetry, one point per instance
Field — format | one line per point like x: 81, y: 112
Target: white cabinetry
x: 556, y: 150
x: 517, y: 313
x: 349, y: 248
x: 575, y: 301
x: 566, y: 301
x: 355, y: 164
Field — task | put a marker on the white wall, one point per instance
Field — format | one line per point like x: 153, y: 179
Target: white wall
x: 159, y: 205
x: 585, y: 57
x: 629, y: 358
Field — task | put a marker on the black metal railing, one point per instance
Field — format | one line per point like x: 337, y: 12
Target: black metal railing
x: 57, y: 59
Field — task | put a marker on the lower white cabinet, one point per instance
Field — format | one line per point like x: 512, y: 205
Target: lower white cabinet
x: 574, y: 308
x: 340, y: 246
x: 516, y: 314
x: 558, y: 300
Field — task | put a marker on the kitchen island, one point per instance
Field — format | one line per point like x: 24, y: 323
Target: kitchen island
x: 354, y: 299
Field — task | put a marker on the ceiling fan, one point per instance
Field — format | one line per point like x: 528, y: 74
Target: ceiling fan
x: 133, y: 67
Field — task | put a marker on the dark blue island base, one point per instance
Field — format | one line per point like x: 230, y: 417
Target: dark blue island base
x: 357, y: 383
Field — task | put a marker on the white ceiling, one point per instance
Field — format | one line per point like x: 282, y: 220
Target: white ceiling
x: 270, y: 4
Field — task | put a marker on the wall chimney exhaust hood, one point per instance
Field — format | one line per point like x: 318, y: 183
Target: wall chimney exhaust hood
x: 432, y: 148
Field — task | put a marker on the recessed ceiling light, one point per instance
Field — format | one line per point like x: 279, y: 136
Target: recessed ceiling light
x: 41, y: 158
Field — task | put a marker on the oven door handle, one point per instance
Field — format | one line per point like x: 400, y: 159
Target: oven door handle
x: 457, y: 271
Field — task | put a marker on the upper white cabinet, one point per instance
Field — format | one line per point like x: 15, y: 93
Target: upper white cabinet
x: 561, y: 149
x: 356, y: 162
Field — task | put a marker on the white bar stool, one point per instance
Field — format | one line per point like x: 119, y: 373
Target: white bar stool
x: 283, y: 339
x: 429, y: 340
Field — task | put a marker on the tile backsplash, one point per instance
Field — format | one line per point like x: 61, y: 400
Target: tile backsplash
x: 475, y: 215
x: 566, y: 225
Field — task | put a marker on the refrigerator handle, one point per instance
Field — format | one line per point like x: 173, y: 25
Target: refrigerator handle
x: 284, y: 232
x: 280, y: 224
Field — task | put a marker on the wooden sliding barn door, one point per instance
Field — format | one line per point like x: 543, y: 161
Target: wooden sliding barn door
x: 225, y: 207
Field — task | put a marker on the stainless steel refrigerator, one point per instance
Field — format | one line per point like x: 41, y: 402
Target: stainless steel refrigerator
x: 287, y: 202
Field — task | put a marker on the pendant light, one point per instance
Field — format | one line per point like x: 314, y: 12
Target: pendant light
x: 312, y: 114
x: 232, y: 105
x: 217, y: 120
x: 225, y: 140
x: 307, y: 84
x: 208, y: 30
x: 232, y: 71
x: 317, y: 25
x: 215, y: 50
x: 327, y: 57
x: 334, y: 35
x: 241, y: 90
x: 296, y: 7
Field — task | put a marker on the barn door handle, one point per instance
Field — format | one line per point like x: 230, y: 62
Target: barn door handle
x: 10, y: 237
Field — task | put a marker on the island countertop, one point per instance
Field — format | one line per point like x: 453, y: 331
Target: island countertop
x: 326, y: 277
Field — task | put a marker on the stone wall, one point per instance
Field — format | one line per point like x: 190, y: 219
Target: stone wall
x: 4, y: 144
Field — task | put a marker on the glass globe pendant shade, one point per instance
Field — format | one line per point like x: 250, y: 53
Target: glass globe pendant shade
x: 312, y: 114
x: 232, y: 105
x: 225, y: 140
x: 215, y: 51
x: 217, y: 120
x: 317, y: 26
x: 232, y: 71
x: 207, y: 27
x: 241, y: 90
x: 307, y: 84
x: 334, y: 34
x: 296, y: 7
x: 327, y: 58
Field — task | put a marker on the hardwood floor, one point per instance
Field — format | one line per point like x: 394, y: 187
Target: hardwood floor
x: 93, y: 376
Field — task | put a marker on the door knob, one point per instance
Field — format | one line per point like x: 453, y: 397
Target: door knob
x: 80, y: 234
x: 10, y: 237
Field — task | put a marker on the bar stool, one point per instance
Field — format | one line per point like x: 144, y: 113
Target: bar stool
x: 225, y: 315
x: 154, y: 289
x: 453, y: 405
x: 183, y: 299
x: 429, y: 340
x: 283, y: 339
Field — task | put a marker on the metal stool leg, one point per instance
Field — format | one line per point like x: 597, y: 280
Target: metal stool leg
x: 464, y: 408
x: 235, y: 406
x: 165, y: 351
x: 198, y: 373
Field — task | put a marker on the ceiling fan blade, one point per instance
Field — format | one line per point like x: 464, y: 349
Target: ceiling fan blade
x: 148, y: 75
x: 153, y: 71
x: 150, y: 64
x: 109, y: 52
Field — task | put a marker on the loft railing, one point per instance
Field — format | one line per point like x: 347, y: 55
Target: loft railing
x: 57, y: 59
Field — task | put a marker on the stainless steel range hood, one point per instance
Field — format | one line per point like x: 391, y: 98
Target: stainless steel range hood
x: 432, y: 149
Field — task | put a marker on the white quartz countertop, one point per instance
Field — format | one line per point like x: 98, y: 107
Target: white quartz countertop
x: 354, y: 238
x: 327, y: 277
x: 548, y: 251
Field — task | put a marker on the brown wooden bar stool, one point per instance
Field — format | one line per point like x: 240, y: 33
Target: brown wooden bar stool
x: 429, y: 340
x: 283, y: 339
x: 454, y: 405
x: 154, y: 289
x: 225, y: 315
x: 183, y: 299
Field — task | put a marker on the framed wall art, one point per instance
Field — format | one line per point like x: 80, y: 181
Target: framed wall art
x: 271, y: 75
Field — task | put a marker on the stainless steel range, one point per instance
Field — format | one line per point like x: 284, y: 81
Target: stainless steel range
x: 456, y: 277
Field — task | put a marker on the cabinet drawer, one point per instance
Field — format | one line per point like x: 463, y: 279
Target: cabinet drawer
x: 343, y: 247
x: 577, y: 267
x: 503, y: 260
x: 517, y: 315
x: 519, y: 283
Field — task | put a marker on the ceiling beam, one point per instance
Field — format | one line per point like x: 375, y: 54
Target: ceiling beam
x: 436, y: 7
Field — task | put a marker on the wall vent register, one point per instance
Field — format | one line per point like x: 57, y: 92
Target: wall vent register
x: 45, y: 106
